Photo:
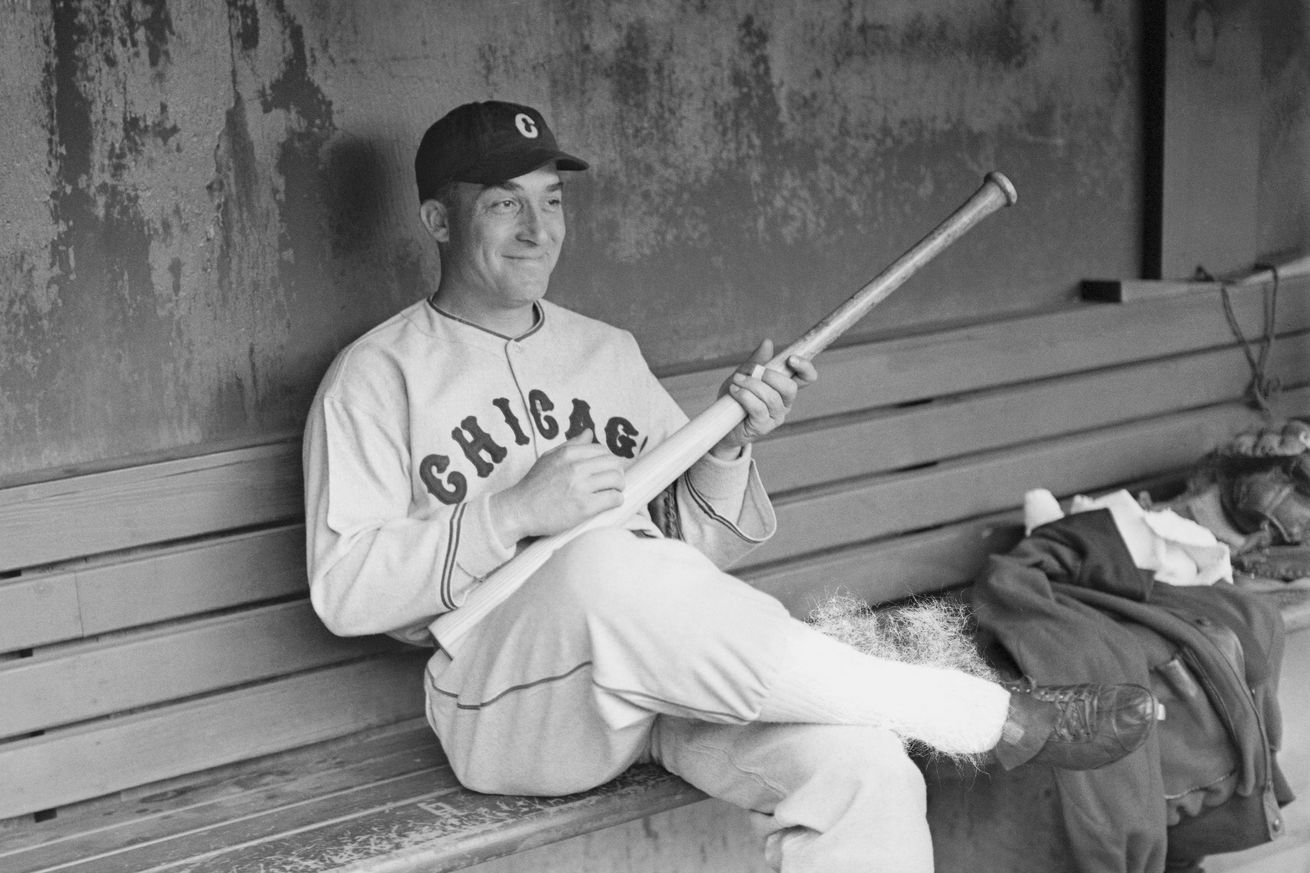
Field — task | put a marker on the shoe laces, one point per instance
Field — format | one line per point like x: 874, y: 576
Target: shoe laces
x: 1076, y: 710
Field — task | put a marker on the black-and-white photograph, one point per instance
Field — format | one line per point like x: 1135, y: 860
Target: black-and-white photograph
x: 655, y: 436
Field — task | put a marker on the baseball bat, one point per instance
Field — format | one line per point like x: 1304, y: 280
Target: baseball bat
x: 1293, y: 269
x: 652, y: 472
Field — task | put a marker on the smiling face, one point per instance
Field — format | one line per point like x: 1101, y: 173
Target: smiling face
x: 499, y: 245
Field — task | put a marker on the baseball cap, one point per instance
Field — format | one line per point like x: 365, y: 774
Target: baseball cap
x: 486, y: 143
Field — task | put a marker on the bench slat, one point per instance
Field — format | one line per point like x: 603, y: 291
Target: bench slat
x: 78, y: 683
x: 80, y: 763
x: 164, y: 810
x: 797, y: 458
x: 176, y: 583
x: 423, y: 834
x: 315, y: 808
x: 994, y: 481
x: 892, y: 569
x: 36, y: 611
x: 908, y: 368
x: 167, y: 584
x: 217, y: 843
x: 120, y: 509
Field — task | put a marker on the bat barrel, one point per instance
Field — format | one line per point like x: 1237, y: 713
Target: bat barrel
x: 995, y: 192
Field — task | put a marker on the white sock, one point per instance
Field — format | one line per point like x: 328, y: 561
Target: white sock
x: 827, y: 682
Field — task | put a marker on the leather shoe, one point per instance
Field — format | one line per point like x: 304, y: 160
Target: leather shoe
x: 1074, y: 727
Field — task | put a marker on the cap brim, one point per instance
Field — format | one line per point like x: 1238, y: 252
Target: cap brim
x: 496, y: 169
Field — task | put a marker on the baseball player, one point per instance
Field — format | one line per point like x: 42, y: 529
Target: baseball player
x: 485, y: 416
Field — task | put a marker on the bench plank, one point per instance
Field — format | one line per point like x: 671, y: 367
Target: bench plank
x: 223, y: 838
x: 172, y: 808
x: 78, y: 683
x: 90, y: 761
x: 1024, y: 348
x: 444, y: 831
x: 994, y: 481
x: 120, y: 509
x: 889, y: 570
x: 36, y: 611
x: 169, y: 583
x: 174, y: 583
x: 954, y: 426
x: 318, y: 807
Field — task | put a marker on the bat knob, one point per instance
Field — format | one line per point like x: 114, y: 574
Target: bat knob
x: 1005, y: 185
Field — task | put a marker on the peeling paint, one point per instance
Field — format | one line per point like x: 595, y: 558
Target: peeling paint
x: 155, y: 27
x: 244, y: 15
x: 101, y: 251
x: 1283, y: 216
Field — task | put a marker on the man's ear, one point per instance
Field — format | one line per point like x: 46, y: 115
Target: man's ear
x: 435, y: 218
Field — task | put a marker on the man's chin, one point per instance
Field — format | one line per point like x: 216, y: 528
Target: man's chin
x: 532, y: 283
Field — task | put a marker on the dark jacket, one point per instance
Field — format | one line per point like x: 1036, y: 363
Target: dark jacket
x: 1067, y: 605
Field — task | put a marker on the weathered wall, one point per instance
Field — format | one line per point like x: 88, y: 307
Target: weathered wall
x: 203, y: 201
x: 1283, y: 198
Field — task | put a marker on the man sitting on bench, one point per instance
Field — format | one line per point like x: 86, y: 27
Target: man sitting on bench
x: 485, y: 416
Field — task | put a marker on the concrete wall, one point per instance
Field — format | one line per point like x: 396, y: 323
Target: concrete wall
x: 1283, y: 196
x: 203, y: 201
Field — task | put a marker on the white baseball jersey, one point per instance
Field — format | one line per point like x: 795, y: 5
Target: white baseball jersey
x: 423, y: 418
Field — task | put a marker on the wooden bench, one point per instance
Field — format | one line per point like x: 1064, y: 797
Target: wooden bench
x: 171, y: 702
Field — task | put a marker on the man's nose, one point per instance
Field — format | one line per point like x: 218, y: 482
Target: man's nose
x: 533, y: 225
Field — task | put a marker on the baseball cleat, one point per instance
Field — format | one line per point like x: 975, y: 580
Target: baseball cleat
x: 1074, y: 727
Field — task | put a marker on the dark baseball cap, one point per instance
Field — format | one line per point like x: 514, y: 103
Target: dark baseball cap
x: 486, y: 143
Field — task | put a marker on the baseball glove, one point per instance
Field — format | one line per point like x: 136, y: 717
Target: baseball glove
x: 1275, y: 562
x: 1263, y: 481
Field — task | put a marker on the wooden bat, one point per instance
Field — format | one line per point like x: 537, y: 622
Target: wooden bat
x: 1293, y: 269
x: 652, y: 472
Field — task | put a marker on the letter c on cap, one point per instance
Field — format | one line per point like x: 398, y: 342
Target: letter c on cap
x: 526, y: 125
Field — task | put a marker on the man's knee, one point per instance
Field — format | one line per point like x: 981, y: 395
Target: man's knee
x: 852, y: 799
x: 596, y: 552
x: 593, y: 568
x: 614, y: 565
x: 841, y: 765
x: 867, y: 758
x: 864, y: 808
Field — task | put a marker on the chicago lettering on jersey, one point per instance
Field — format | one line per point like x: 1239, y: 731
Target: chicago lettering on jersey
x: 483, y: 445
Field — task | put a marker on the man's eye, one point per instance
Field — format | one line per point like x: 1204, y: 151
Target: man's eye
x: 504, y: 206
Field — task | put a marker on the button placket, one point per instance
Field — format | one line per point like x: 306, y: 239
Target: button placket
x: 513, y: 357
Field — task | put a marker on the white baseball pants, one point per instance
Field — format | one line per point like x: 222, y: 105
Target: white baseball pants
x: 623, y: 649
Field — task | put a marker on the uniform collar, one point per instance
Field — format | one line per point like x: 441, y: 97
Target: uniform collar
x: 538, y: 312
